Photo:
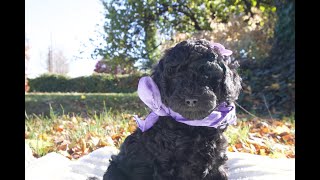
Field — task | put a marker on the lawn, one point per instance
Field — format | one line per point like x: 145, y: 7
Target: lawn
x: 75, y: 124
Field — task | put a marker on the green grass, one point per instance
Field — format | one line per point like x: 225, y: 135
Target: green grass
x: 82, y: 103
x: 236, y: 134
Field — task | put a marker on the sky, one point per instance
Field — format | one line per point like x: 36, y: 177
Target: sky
x: 67, y: 25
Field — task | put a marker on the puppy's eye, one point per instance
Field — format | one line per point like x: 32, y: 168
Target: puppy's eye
x: 213, y: 56
x: 170, y: 70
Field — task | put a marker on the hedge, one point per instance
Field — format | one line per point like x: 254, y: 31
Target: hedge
x: 102, y: 83
x: 83, y: 103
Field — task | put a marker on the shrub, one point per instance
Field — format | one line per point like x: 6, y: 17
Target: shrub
x: 82, y: 103
x: 88, y: 84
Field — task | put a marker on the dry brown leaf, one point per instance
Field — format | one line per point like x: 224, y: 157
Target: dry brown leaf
x: 59, y: 128
x: 115, y: 137
x: 254, y: 130
x: 262, y: 152
x: 287, y: 137
x: 62, y: 147
x: 264, y: 130
x: 26, y: 134
x: 83, y: 145
x: 277, y: 123
x: 284, y: 134
x: 290, y: 156
x: 85, y: 151
x: 103, y: 143
x: 257, y: 147
x: 238, y: 145
x: 65, y: 153
x: 290, y: 142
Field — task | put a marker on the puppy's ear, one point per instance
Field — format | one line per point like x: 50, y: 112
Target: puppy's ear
x: 158, y: 76
x: 232, y: 82
x: 157, y: 72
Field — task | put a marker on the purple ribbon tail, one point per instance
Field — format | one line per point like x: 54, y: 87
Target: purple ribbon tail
x: 146, y: 124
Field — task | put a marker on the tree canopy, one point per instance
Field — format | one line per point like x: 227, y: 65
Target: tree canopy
x: 134, y: 30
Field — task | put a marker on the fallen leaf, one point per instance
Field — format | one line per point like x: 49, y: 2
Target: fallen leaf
x: 277, y: 123
x: 63, y: 147
x: 116, y: 137
x: 287, y: 137
x: 26, y: 134
x: 264, y: 130
x: 284, y: 134
x: 253, y: 130
x: 238, y: 145
x: 65, y: 153
x: 230, y: 149
x: 83, y: 145
x: 59, y: 128
x: 290, y: 156
x: 262, y: 152
x: 103, y: 143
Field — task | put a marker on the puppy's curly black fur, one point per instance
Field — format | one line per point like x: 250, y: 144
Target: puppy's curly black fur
x: 193, y: 78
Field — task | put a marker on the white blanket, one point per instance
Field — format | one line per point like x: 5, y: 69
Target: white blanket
x: 242, y: 166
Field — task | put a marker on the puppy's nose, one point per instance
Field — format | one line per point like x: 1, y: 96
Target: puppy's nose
x: 191, y: 102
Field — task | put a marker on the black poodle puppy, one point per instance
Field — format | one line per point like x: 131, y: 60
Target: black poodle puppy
x: 191, y: 93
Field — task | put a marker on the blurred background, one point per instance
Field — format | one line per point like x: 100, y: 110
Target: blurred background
x: 84, y: 57
x: 77, y: 38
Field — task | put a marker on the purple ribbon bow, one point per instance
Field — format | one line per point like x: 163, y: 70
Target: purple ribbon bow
x: 223, y: 51
x: 149, y: 93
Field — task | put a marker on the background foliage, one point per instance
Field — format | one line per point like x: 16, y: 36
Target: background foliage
x: 96, y: 83
x: 83, y: 104
x: 134, y: 30
x: 261, y: 33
